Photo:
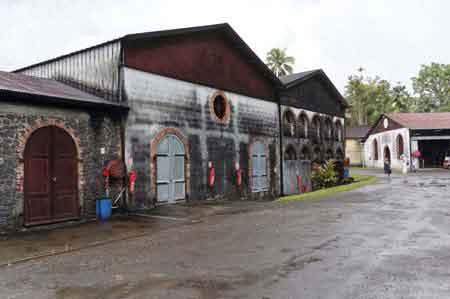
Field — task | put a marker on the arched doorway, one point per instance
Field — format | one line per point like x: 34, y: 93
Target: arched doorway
x: 50, y: 177
x: 170, y: 170
x: 290, y: 154
x: 400, y: 147
x: 305, y: 153
x: 329, y: 154
x: 387, y: 153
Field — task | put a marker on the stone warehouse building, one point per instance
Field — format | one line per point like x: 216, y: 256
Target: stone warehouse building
x: 401, y: 134
x: 50, y: 140
x: 201, y: 105
x: 199, y: 98
x: 313, y: 120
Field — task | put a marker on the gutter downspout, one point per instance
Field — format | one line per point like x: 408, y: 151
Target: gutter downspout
x: 280, y: 132
x: 123, y: 117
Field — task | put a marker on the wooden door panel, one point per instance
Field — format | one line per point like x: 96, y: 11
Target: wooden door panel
x: 51, y: 177
x: 37, y: 171
x: 64, y: 177
x: 38, y: 209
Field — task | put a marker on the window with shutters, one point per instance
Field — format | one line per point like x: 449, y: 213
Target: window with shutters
x: 259, y: 168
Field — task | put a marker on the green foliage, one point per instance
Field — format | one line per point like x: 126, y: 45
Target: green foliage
x: 370, y: 97
x: 432, y: 86
x: 279, y: 62
x: 360, y: 181
x: 325, y: 175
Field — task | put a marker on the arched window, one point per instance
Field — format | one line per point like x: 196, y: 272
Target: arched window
x: 400, y: 146
x: 290, y: 153
x: 289, y: 123
x: 305, y: 153
x: 315, y: 129
x: 303, y: 126
x: 375, y: 149
x: 338, y: 128
x: 328, y: 129
x: 259, y: 167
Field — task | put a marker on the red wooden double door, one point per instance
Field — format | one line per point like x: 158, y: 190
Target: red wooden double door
x: 51, y: 177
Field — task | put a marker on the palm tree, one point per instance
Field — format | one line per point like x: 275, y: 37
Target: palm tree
x: 279, y: 62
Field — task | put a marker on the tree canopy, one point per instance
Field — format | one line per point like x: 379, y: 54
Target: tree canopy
x: 370, y: 97
x: 279, y: 62
x: 432, y: 86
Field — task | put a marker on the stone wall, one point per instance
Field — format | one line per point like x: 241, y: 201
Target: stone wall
x: 312, y: 143
x: 90, y: 132
x: 159, y: 103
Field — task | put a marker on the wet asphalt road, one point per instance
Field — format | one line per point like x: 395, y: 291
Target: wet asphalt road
x: 388, y: 240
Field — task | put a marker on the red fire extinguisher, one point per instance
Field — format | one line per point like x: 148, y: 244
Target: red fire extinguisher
x: 238, y: 174
x: 211, y: 175
x: 132, y: 177
x: 299, y: 183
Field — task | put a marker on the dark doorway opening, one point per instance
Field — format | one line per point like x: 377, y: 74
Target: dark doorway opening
x: 433, y: 152
x: 387, y: 154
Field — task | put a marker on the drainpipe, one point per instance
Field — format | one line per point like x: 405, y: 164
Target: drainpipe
x: 280, y: 132
x: 123, y: 117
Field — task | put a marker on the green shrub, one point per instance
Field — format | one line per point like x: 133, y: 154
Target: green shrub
x: 325, y: 176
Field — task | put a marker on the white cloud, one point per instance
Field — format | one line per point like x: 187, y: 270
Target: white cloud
x: 388, y: 38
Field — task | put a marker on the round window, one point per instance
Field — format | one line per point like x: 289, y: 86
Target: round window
x: 220, y: 107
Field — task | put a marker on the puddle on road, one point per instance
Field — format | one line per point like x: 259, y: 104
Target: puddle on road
x: 202, y: 287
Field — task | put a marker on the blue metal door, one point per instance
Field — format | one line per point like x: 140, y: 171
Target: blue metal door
x: 259, y: 168
x: 170, y: 170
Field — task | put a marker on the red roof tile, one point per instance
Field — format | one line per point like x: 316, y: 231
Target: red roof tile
x: 422, y: 121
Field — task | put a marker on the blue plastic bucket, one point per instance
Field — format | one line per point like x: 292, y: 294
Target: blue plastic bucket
x: 103, y: 208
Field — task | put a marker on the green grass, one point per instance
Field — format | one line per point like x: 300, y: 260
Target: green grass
x: 360, y: 181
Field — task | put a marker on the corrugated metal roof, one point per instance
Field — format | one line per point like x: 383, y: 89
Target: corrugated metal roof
x: 422, y: 121
x: 297, y: 76
x: 23, y: 84
x: 222, y: 27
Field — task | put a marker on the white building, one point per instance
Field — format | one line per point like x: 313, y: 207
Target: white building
x: 396, y: 136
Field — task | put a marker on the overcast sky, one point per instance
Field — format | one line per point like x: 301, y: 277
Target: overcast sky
x: 389, y: 38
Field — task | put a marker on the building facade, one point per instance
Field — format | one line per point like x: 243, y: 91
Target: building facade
x: 200, y: 102
x: 50, y: 141
x: 193, y: 111
x: 354, y: 144
x: 397, y: 136
x: 313, y: 123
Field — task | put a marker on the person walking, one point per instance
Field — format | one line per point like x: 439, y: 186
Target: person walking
x: 387, y: 167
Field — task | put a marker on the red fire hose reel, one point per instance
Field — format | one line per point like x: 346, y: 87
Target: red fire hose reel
x: 238, y: 174
x: 132, y: 177
x: 211, y: 174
